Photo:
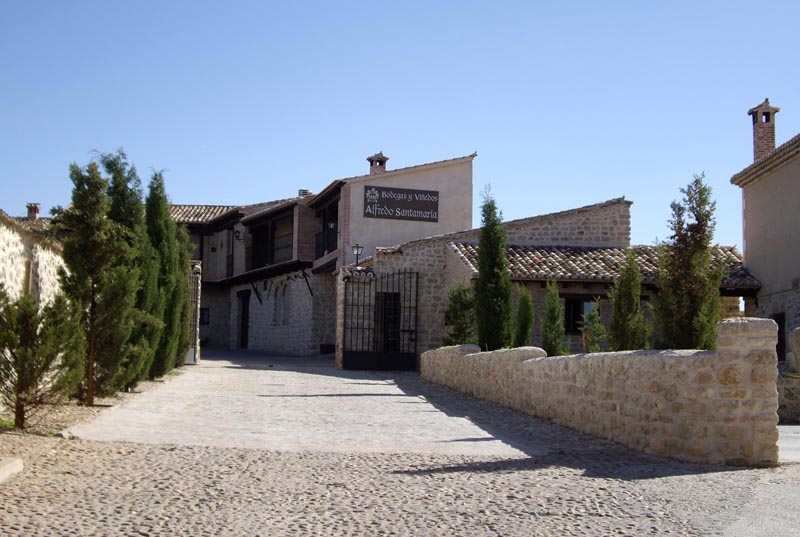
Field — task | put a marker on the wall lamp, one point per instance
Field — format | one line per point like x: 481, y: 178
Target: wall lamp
x: 357, y: 249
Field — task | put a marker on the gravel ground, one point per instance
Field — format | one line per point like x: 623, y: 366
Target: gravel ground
x: 577, y: 485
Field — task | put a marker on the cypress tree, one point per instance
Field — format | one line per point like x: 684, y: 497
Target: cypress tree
x: 162, y: 232
x: 628, y: 330
x: 459, y: 316
x: 524, y: 325
x: 553, y: 324
x: 592, y: 329
x: 96, y: 281
x: 41, y: 353
x: 687, y: 303
x: 127, y: 209
x: 493, y: 287
x: 184, y: 246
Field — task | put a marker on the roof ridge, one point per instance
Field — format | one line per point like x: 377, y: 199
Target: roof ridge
x: 771, y: 161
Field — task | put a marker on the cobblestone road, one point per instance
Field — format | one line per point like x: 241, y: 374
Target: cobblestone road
x: 541, y: 480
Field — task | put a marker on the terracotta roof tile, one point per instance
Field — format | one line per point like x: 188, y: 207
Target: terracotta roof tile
x: 203, y: 214
x: 198, y: 214
x: 601, y: 264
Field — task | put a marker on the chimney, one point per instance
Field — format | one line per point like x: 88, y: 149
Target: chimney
x: 33, y: 211
x: 377, y: 163
x: 763, y: 129
x: 303, y: 192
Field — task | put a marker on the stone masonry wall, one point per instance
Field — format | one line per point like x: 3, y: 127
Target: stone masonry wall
x: 28, y: 258
x: 603, y: 224
x: 436, y: 275
x: 786, y: 302
x: 324, y: 305
x: 281, y: 321
x: 699, y: 406
x: 216, y: 333
x: 789, y: 397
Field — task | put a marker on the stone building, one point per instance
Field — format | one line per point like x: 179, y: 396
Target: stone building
x: 29, y: 260
x: 582, y: 249
x: 770, y: 214
x: 269, y: 268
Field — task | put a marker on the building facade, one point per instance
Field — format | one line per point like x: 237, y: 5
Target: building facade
x: 269, y: 269
x: 770, y: 212
x: 29, y: 260
x: 581, y: 249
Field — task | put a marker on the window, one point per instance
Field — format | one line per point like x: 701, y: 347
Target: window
x: 204, y: 316
x: 574, y: 310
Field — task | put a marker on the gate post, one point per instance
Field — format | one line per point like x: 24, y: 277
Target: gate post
x: 340, y: 299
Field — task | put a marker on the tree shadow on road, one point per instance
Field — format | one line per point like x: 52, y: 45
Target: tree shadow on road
x: 544, y: 443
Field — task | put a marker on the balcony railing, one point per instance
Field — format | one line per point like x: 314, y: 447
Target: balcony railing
x: 325, y: 242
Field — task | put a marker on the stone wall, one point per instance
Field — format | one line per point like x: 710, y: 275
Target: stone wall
x: 324, y: 314
x: 216, y: 333
x: 789, y: 397
x: 280, y: 321
x: 700, y: 406
x: 28, y: 261
x: 786, y: 303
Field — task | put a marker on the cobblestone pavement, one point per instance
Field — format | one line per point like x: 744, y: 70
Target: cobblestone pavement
x: 552, y: 482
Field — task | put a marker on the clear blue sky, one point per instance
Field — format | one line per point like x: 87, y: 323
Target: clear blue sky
x: 566, y: 103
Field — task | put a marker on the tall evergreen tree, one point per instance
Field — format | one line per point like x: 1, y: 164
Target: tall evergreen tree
x: 41, y: 353
x: 553, y: 323
x: 163, y: 233
x: 629, y: 329
x: 96, y: 281
x: 524, y: 324
x: 493, y: 287
x: 184, y: 246
x: 687, y: 303
x: 127, y: 209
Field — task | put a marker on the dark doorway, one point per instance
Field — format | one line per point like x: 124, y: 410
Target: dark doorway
x: 380, y: 321
x: 244, y: 317
x: 780, y: 319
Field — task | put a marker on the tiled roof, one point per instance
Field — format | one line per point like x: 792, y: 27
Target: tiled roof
x: 198, y: 214
x: 601, y: 264
x: 270, y: 208
x: 779, y: 156
x: 40, y: 225
x: 203, y: 214
x: 37, y: 232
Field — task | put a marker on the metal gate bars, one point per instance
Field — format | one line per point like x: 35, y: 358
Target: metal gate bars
x: 380, y: 321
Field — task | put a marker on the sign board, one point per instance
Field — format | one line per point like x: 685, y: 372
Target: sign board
x: 401, y: 204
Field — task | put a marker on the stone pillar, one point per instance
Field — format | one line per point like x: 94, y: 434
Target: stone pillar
x: 747, y: 374
x: 340, y: 275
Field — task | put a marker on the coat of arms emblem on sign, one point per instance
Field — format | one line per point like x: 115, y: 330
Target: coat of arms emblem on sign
x: 372, y: 195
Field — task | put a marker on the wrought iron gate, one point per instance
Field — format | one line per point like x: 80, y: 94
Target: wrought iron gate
x: 380, y: 321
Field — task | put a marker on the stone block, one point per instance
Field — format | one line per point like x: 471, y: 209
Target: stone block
x: 730, y: 375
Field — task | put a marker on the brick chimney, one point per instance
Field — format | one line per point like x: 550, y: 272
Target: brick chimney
x: 33, y: 211
x: 763, y: 129
x: 377, y: 163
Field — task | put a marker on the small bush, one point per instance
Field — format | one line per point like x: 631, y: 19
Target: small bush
x: 592, y: 329
x: 459, y: 317
x: 524, y: 326
x: 41, y: 354
x: 553, y: 324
